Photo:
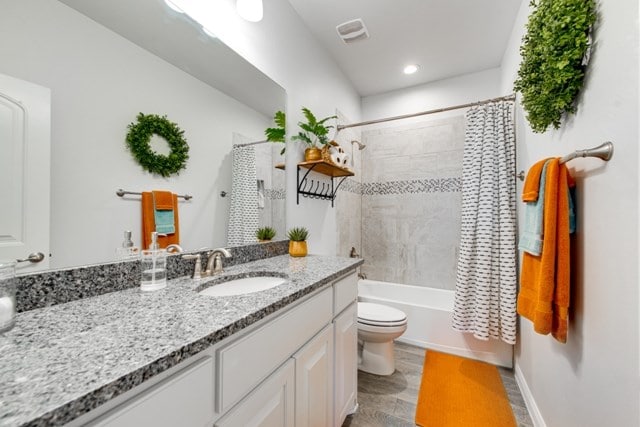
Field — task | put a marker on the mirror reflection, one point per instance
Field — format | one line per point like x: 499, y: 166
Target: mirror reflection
x: 97, y: 65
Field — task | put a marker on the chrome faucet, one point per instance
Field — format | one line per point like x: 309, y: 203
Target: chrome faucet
x: 174, y: 249
x: 214, y: 262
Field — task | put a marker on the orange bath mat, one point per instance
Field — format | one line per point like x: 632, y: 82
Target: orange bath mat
x: 461, y: 392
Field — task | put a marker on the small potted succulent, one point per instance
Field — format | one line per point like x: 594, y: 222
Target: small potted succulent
x: 314, y: 133
x: 278, y: 133
x: 265, y: 234
x: 298, y: 241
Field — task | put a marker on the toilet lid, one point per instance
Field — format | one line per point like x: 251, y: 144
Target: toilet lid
x: 380, y: 315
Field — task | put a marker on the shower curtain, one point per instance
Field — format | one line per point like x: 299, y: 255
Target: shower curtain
x: 485, y: 297
x: 243, y: 212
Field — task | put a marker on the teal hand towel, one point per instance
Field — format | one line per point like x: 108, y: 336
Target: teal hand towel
x: 164, y: 218
x: 531, y: 236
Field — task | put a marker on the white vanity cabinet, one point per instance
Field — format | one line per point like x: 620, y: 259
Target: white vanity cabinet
x: 297, y: 367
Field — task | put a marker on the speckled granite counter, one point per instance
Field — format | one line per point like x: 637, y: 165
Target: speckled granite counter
x: 62, y: 361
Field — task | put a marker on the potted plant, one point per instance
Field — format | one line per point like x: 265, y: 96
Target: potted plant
x: 297, y: 241
x: 278, y: 133
x: 265, y: 234
x: 314, y: 133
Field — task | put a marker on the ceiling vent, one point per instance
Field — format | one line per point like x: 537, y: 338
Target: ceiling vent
x: 352, y: 31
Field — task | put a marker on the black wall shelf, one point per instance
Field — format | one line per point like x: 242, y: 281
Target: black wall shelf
x: 316, y: 189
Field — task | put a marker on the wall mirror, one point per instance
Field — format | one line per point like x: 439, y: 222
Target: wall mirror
x: 104, y: 62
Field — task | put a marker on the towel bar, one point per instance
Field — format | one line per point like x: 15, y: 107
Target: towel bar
x: 603, y: 151
x: 122, y: 192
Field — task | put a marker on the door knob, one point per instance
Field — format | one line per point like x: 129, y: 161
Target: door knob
x: 34, y: 258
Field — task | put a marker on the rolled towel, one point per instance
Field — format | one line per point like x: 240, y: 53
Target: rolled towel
x: 337, y: 158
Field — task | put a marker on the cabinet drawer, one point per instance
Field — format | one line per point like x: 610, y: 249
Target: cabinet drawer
x: 246, y: 362
x: 345, y: 291
x: 184, y: 399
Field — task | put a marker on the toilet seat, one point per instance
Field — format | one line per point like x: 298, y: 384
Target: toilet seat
x: 380, y: 315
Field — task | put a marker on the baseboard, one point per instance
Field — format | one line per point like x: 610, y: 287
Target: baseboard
x: 483, y: 356
x: 534, y: 412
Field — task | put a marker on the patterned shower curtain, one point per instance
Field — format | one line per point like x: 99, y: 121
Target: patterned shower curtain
x: 485, y: 297
x: 243, y: 212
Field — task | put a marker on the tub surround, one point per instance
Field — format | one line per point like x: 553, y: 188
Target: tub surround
x: 60, y: 286
x: 62, y: 361
x: 428, y: 312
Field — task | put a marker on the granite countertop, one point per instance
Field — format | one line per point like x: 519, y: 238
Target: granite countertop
x: 60, y: 362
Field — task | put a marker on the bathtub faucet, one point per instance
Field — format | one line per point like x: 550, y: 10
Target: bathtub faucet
x: 362, y: 276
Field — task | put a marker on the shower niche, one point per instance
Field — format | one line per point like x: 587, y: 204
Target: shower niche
x: 318, y: 188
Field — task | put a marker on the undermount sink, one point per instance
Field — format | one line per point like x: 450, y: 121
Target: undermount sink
x: 243, y: 285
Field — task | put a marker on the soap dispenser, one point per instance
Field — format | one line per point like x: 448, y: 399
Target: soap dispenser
x: 154, y: 266
x: 127, y: 250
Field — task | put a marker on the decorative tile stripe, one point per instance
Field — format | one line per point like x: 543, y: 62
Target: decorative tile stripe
x: 275, y: 193
x: 350, y: 185
x: 414, y: 186
x: 59, y: 286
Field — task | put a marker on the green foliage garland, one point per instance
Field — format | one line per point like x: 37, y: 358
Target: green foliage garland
x: 138, y: 142
x: 552, y: 69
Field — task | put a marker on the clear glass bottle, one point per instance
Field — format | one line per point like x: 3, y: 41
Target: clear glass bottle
x: 127, y: 250
x: 7, y: 295
x: 153, y: 266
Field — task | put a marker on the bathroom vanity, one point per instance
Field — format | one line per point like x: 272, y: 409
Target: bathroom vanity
x: 281, y: 357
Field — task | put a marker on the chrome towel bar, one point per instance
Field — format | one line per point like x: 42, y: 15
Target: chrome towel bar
x: 122, y: 192
x: 603, y: 151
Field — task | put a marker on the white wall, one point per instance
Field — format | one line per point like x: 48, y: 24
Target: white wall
x: 442, y: 93
x: 99, y: 83
x: 282, y: 47
x: 594, y: 379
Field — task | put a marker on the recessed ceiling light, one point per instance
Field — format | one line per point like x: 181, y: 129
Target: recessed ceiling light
x: 209, y: 33
x: 173, y: 6
x: 410, y: 69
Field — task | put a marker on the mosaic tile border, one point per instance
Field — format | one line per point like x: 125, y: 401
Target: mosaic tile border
x: 275, y: 193
x: 412, y: 186
x: 350, y: 185
x: 60, y: 286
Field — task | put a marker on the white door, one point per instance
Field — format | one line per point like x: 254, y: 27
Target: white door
x: 25, y: 133
x: 314, y: 381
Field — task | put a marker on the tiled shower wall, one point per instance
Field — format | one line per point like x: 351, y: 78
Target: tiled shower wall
x: 272, y: 212
x: 411, y: 199
x: 348, y: 203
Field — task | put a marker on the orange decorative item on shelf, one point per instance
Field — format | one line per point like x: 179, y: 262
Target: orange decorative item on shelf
x: 312, y: 153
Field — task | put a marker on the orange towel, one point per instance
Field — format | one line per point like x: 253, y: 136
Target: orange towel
x: 149, y: 223
x: 531, y: 186
x: 164, y: 200
x: 545, y: 279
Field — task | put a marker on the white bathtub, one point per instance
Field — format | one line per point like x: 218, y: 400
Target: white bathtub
x: 429, y: 313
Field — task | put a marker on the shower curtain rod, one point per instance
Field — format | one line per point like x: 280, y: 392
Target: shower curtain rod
x: 511, y: 97
x: 250, y: 143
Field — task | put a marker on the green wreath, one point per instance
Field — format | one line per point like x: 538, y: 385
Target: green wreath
x: 554, y: 54
x: 138, y: 142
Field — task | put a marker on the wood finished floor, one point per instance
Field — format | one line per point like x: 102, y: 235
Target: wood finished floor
x: 391, y: 401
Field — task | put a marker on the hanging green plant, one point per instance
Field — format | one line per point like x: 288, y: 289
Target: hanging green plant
x: 139, y: 137
x: 554, y: 54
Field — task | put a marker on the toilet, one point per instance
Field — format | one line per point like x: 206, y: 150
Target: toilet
x: 378, y: 326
